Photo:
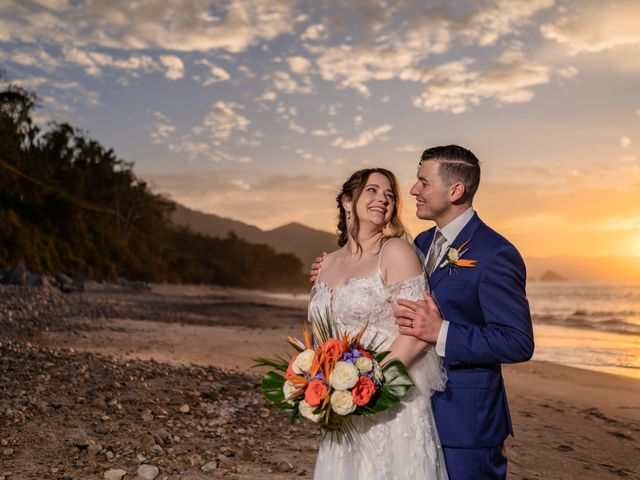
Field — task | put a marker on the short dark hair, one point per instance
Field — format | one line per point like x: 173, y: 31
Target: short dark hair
x: 456, y: 164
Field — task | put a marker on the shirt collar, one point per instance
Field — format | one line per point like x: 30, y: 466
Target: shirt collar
x: 453, y: 228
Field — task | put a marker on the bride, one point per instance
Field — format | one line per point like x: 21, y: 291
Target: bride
x: 359, y: 283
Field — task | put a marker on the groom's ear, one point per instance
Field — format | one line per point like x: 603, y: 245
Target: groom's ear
x: 457, y: 192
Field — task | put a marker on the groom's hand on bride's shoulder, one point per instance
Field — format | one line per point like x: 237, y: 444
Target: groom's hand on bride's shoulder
x: 419, y: 319
x: 315, y: 267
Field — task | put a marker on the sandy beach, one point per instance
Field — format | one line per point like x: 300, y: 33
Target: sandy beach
x: 119, y: 379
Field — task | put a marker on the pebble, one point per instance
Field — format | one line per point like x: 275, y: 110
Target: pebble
x: 114, y: 474
x: 162, y: 437
x: 247, y: 454
x: 7, y: 451
x: 185, y: 408
x: 284, y: 466
x: 210, y: 466
x: 94, y: 449
x: 195, y: 460
x: 156, y: 449
x: 147, y: 472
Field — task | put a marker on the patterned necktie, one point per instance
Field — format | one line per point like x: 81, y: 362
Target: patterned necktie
x: 434, y: 252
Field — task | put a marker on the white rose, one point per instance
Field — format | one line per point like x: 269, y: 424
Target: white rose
x: 377, y: 372
x: 452, y: 255
x: 364, y: 364
x: 303, y: 361
x: 344, y: 376
x: 342, y: 402
x: 289, y: 389
x: 306, y: 411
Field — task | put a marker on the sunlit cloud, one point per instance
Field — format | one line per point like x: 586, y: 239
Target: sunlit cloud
x: 324, y: 132
x: 283, y: 82
x: 215, y: 74
x: 625, y: 142
x: 298, y: 64
x: 364, y: 138
x: 593, y: 26
x: 174, y: 66
x: 184, y: 25
x: 500, y: 18
x: 224, y: 119
x: 455, y: 87
x: 410, y: 148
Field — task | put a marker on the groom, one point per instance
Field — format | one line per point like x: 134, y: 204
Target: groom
x: 478, y: 315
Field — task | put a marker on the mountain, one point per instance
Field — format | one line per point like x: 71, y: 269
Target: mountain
x: 307, y: 243
x: 304, y: 242
x: 607, y: 269
x: 551, y: 276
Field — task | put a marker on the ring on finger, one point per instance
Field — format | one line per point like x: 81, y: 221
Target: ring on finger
x: 411, y: 324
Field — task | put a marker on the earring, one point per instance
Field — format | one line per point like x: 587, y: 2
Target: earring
x: 348, y: 215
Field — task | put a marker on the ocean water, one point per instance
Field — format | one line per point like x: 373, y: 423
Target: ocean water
x: 587, y: 325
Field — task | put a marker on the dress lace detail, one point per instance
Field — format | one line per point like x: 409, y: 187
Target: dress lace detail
x: 402, y: 442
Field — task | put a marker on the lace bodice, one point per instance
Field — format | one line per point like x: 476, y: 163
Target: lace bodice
x: 365, y: 300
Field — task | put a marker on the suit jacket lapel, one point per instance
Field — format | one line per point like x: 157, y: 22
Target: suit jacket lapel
x: 465, y: 234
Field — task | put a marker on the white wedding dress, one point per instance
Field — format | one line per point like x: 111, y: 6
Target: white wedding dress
x: 401, y: 443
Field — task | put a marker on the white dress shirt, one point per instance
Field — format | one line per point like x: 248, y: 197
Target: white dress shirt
x: 450, y: 232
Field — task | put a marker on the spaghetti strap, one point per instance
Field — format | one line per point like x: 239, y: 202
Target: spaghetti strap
x: 380, y: 257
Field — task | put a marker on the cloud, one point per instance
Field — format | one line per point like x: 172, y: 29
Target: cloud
x: 392, y: 56
x: 162, y: 129
x: 298, y: 64
x: 184, y: 25
x: 223, y: 120
x: 93, y: 61
x: 454, y: 88
x: 174, y: 65
x: 411, y: 148
x: 625, y: 142
x: 30, y: 82
x: 216, y: 74
x: 315, y: 32
x: 594, y: 26
x: 269, y: 96
x: 324, y: 132
x: 365, y: 137
x: 283, y: 82
x: 296, y: 127
x: 213, y: 138
x: 498, y: 19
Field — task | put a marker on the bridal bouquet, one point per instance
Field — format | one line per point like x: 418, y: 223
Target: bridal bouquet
x: 332, y: 376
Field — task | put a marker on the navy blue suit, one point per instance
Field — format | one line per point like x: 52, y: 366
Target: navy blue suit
x: 490, y: 324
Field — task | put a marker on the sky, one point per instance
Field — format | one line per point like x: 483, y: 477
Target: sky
x: 259, y: 110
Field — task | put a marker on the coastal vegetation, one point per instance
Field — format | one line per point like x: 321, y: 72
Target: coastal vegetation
x: 69, y: 204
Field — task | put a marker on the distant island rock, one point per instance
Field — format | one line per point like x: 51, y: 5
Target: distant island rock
x: 551, y: 276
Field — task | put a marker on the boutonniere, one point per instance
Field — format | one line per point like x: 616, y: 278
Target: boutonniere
x: 453, y: 257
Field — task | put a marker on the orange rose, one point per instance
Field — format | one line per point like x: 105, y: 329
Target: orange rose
x: 333, y: 349
x: 315, y: 393
x: 290, y: 373
x: 363, y: 391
